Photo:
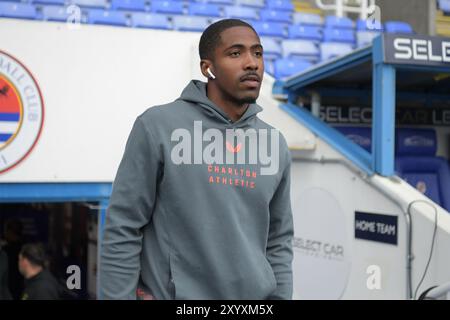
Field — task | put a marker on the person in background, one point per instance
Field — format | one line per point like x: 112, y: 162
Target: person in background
x: 40, y: 284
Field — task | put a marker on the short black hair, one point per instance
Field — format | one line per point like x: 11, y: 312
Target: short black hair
x: 35, y: 253
x: 211, y: 35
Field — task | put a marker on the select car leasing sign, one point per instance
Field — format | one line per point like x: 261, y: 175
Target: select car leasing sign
x: 21, y: 112
x: 416, y: 50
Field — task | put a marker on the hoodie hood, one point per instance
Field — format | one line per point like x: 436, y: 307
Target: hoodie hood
x: 195, y: 92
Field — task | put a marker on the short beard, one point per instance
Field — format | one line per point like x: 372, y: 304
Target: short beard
x: 248, y: 100
x: 241, y: 102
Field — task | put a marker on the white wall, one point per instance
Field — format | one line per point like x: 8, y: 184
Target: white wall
x: 95, y: 81
x: 326, y: 191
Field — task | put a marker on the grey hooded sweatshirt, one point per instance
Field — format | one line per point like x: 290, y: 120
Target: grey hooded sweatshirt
x: 181, y: 227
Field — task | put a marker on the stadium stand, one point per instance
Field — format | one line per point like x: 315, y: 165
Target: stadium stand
x: 443, y: 18
x: 292, y: 30
x: 416, y: 160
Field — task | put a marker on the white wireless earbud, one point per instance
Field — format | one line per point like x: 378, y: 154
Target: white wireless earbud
x: 210, y: 73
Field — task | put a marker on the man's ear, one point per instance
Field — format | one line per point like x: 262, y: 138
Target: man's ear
x: 204, y: 65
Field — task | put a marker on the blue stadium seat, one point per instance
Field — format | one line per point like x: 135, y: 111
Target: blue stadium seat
x: 276, y: 16
x: 56, y: 13
x: 287, y: 67
x: 251, y: 3
x: 131, y: 5
x: 269, y: 67
x: 204, y: 9
x: 397, y: 27
x: 17, y: 10
x: 280, y: 5
x: 226, y: 2
x: 417, y: 163
x: 330, y: 50
x: 368, y: 25
x: 336, y: 22
x: 244, y: 13
x: 444, y: 5
x: 305, y: 49
x: 362, y: 136
x: 307, y: 18
x: 413, y: 142
x: 364, y: 38
x: 190, y: 23
x: 309, y: 32
x: 338, y: 35
x: 415, y: 159
x: 53, y: 2
x: 150, y: 20
x: 100, y: 4
x: 270, y: 29
x: 168, y: 7
x: 272, y: 49
x: 114, y: 18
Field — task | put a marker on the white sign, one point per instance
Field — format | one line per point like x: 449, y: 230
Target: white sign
x: 21, y: 112
x: 321, y: 263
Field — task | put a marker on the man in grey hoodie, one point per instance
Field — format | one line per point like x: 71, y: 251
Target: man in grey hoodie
x: 200, y: 207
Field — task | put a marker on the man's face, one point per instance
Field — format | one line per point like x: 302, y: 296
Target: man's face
x: 238, y: 65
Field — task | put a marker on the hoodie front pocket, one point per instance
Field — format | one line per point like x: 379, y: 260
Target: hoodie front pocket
x: 270, y: 276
